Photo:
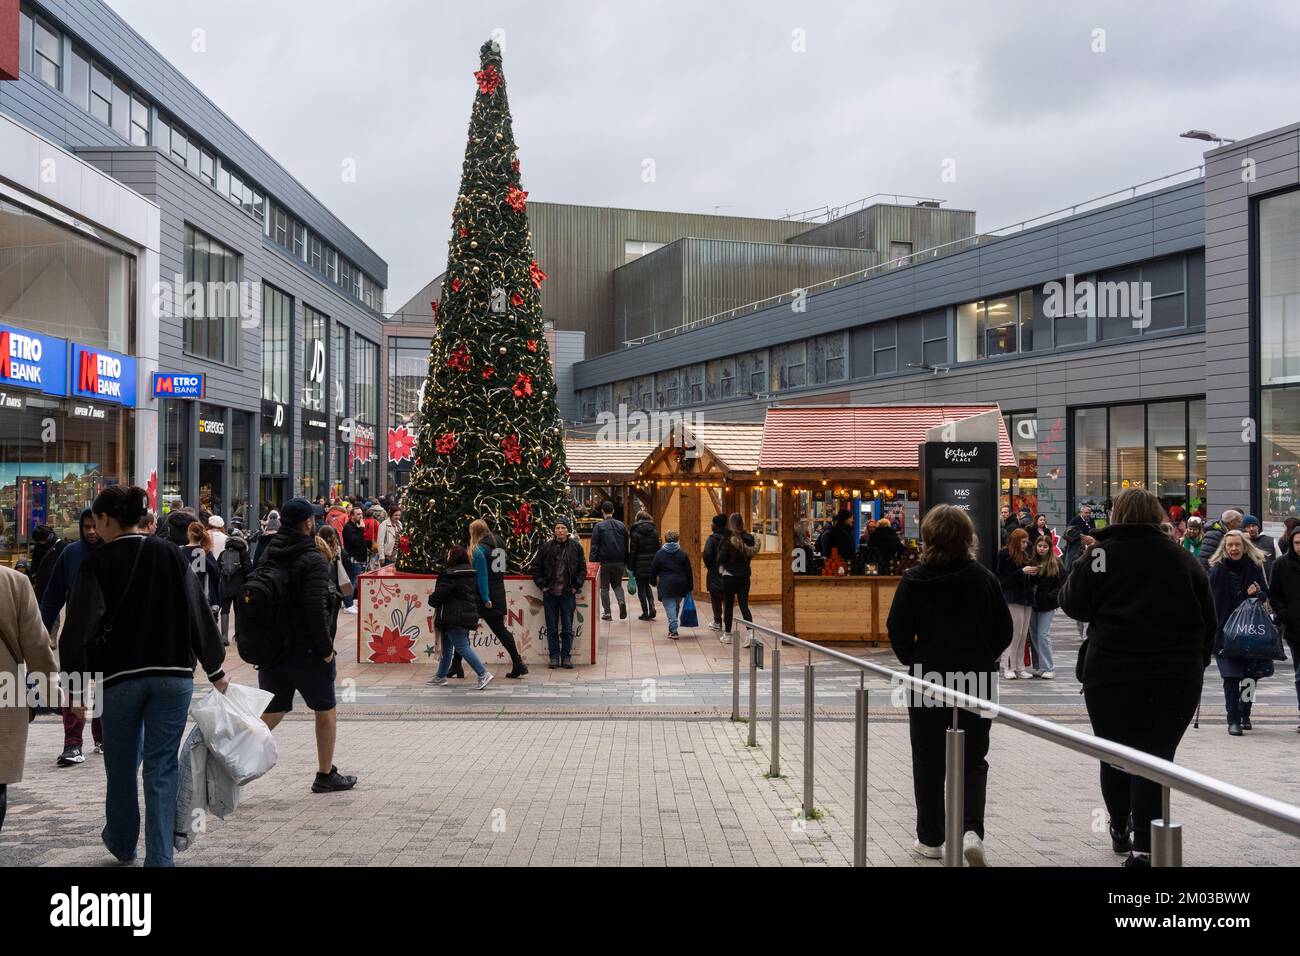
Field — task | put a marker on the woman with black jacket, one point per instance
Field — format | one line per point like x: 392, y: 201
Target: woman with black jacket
x: 489, y: 557
x: 713, y: 573
x: 137, y: 618
x: 1016, y: 572
x: 645, y: 543
x: 1236, y: 573
x: 671, y: 573
x: 948, y: 617
x: 455, y: 598
x: 734, y: 555
x: 235, y: 563
x: 1284, y: 595
x: 1151, y: 628
x: 199, y: 554
x: 1047, y: 587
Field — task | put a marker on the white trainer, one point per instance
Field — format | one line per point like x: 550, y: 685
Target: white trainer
x: 929, y: 852
x: 1025, y: 675
x: 972, y: 847
x: 1048, y: 675
x: 1008, y: 675
x: 484, y: 680
x: 724, y: 637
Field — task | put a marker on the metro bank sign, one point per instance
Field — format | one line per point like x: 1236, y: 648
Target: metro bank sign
x: 104, y: 376
x: 28, y: 360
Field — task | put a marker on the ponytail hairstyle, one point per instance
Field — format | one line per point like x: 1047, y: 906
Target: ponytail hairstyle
x: 199, y: 535
x: 126, y: 506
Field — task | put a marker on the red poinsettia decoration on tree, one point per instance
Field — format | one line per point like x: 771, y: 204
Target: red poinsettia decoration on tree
x: 391, y: 647
x: 532, y: 345
x: 445, y: 444
x: 516, y: 199
x: 489, y: 78
x: 521, y: 519
x: 516, y: 300
x: 404, y: 544
x: 511, y: 449
x: 514, y: 164
x: 536, y: 274
x: 401, y: 444
x: 464, y: 233
x: 523, y: 386
x: 546, y: 462
x: 458, y: 360
x: 455, y: 285
x: 487, y: 371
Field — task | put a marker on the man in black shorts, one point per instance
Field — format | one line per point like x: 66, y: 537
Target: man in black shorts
x: 309, y: 666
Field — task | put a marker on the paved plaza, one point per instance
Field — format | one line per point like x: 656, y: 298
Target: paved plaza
x: 635, y: 763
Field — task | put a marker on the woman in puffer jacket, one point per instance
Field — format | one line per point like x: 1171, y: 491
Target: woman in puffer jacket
x: 455, y: 598
x: 641, y: 553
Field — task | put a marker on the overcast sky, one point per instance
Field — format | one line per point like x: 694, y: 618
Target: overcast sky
x: 1030, y: 105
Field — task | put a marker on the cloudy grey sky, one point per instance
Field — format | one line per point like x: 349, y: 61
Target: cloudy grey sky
x: 1033, y: 105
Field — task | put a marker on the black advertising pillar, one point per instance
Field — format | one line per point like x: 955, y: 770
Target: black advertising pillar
x: 964, y: 474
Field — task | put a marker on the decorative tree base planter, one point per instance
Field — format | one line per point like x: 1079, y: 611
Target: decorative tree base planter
x: 395, y: 622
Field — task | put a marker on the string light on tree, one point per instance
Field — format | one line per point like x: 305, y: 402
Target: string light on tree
x: 490, y: 444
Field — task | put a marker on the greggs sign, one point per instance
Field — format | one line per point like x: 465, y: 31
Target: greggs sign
x: 28, y: 360
x: 104, y: 376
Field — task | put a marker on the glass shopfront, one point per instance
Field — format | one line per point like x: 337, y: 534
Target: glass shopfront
x: 1160, y: 446
x: 341, y: 473
x: 408, y: 366
x: 365, y: 411
x: 311, y: 475
x: 1279, y: 360
x: 1021, y: 492
x: 67, y: 381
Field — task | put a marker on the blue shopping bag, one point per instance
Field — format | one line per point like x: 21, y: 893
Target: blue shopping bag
x: 1250, y: 633
x: 688, y: 617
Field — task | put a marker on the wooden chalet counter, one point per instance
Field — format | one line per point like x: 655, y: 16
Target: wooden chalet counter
x: 848, y: 608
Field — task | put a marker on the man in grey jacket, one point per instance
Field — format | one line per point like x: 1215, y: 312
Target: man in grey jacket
x: 609, y: 550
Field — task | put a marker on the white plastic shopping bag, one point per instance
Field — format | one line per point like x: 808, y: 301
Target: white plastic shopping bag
x: 234, y: 732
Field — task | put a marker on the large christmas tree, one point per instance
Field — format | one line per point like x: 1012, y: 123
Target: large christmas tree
x: 490, y: 444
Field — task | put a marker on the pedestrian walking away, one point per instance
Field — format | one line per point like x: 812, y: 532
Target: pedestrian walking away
x: 234, y: 564
x: 644, y: 547
x: 949, y: 617
x: 735, y: 553
x: 1151, y: 627
x: 490, y: 562
x: 713, y: 572
x: 137, y: 616
x: 609, y: 548
x: 455, y: 599
x: 305, y: 619
x: 671, y: 573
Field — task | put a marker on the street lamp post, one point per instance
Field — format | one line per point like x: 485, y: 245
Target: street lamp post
x: 1207, y: 136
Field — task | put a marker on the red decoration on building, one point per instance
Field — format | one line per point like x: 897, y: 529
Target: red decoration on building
x: 521, y: 519
x: 532, y: 345
x: 458, y: 360
x: 511, y: 449
x: 523, y: 386
x: 151, y: 489
x: 516, y: 300
x: 455, y: 285
x: 536, y: 274
x: 445, y: 444
x: 401, y: 444
x: 489, y: 78
x: 487, y: 371
x: 516, y: 199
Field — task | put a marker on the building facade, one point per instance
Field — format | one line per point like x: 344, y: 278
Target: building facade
x: 1149, y: 342
x: 269, y: 310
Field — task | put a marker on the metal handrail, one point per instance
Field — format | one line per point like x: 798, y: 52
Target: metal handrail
x: 1166, y: 835
x: 930, y: 252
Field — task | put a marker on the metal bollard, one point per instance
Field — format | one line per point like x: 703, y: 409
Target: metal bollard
x: 1166, y: 836
x: 860, y: 779
x: 776, y: 708
x: 735, y: 680
x: 954, y: 784
x: 808, y: 694
x: 753, y: 693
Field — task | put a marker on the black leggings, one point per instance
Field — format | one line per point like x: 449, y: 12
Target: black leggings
x: 4, y: 803
x: 734, y: 589
x: 1150, y: 716
x: 497, y: 625
x: 646, y: 595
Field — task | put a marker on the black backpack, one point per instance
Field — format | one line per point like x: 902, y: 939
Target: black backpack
x: 259, y: 614
x: 228, y: 563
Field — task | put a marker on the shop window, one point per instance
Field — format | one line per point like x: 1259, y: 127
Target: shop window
x: 1159, y: 446
x: 47, y: 63
x: 277, y: 326
x: 789, y: 366
x: 884, y: 348
x: 139, y: 122
x: 212, y: 298
x: 79, y: 79
x: 121, y: 111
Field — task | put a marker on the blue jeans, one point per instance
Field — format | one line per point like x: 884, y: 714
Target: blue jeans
x: 559, y: 610
x: 672, y: 605
x: 144, y: 718
x: 457, y: 639
x: 1040, y: 639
